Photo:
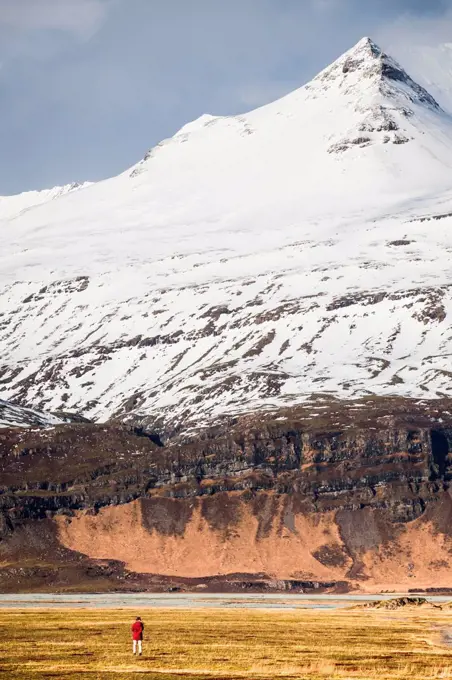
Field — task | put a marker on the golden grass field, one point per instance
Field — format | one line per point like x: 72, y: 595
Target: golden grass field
x: 226, y: 645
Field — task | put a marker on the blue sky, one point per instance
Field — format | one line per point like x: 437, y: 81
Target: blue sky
x: 87, y: 86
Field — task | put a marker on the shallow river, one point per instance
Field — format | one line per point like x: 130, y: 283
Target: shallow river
x: 193, y: 600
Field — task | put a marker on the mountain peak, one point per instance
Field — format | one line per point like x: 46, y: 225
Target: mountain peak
x: 367, y: 45
x: 367, y: 56
x: 367, y: 67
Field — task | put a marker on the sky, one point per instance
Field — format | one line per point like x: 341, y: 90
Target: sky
x: 87, y: 86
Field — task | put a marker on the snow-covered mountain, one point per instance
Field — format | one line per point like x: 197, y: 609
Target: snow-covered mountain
x: 248, y: 262
x: 12, y: 206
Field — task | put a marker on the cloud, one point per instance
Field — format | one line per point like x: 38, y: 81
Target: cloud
x: 81, y: 18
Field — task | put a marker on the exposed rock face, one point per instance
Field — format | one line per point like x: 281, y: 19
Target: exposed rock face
x: 365, y: 503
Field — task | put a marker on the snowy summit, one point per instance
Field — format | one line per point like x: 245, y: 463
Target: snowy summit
x: 248, y: 262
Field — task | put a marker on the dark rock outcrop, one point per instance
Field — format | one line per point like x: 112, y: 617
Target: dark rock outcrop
x: 376, y: 466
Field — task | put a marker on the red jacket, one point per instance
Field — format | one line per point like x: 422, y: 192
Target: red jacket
x: 137, y: 630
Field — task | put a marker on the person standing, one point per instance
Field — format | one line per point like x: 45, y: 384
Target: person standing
x: 137, y: 635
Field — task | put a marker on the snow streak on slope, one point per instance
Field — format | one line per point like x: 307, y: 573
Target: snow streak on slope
x: 247, y: 262
x: 16, y: 416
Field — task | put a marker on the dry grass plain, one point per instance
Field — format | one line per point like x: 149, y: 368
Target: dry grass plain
x: 227, y: 645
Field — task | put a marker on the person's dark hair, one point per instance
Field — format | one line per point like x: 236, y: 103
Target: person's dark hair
x: 138, y: 618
